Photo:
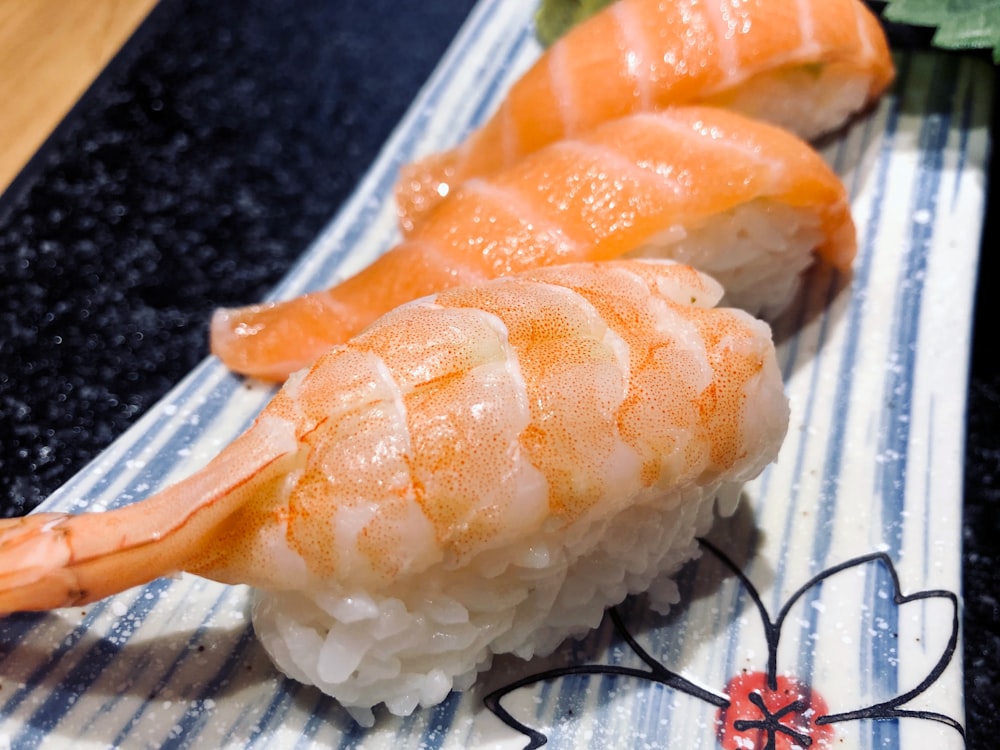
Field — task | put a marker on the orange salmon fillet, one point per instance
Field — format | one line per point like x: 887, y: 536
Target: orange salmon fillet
x: 644, y: 55
x: 596, y: 197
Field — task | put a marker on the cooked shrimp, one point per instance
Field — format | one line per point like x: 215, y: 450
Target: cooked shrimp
x: 803, y: 64
x: 743, y: 201
x: 438, y: 488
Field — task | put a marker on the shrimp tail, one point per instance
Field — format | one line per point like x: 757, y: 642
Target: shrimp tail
x: 50, y: 560
x: 33, y: 557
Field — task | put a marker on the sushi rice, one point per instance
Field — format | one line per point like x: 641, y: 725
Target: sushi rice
x: 413, y: 644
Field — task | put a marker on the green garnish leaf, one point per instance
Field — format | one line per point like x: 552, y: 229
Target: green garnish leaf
x: 555, y: 17
x: 959, y: 24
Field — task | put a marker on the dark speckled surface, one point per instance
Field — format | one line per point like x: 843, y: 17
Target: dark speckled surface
x: 194, y: 172
x: 981, y: 537
x: 198, y: 168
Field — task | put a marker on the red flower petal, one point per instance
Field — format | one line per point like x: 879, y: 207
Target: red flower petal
x: 759, y: 718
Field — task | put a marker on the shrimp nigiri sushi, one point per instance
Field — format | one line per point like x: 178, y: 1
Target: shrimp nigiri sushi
x: 746, y: 202
x: 807, y: 65
x: 480, y: 472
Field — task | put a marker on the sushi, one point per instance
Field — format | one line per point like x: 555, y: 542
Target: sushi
x: 807, y: 65
x: 746, y: 202
x: 479, y: 472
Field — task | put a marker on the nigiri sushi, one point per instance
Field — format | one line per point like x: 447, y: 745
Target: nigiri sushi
x: 744, y: 201
x: 803, y: 64
x: 479, y: 472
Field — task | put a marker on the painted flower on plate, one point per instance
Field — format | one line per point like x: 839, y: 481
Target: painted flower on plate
x: 794, y: 689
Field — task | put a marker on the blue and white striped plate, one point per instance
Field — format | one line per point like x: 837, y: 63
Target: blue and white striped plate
x: 832, y: 592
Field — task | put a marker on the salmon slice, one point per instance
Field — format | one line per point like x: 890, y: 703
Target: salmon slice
x: 742, y: 200
x: 807, y: 65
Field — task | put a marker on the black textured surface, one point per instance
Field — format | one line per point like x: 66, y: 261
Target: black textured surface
x: 198, y: 168
x: 981, y: 527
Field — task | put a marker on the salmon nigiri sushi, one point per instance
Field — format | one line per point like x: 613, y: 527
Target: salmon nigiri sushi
x: 804, y: 64
x: 744, y: 201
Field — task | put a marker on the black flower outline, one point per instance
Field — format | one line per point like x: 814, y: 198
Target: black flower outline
x: 886, y: 710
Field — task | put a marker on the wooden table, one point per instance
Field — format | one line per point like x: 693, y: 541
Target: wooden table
x: 50, y: 52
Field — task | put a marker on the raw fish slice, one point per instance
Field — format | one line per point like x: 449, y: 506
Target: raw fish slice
x: 479, y: 472
x: 739, y: 199
x: 804, y: 64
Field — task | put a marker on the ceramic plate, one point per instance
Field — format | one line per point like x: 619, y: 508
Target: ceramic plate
x: 828, y: 601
